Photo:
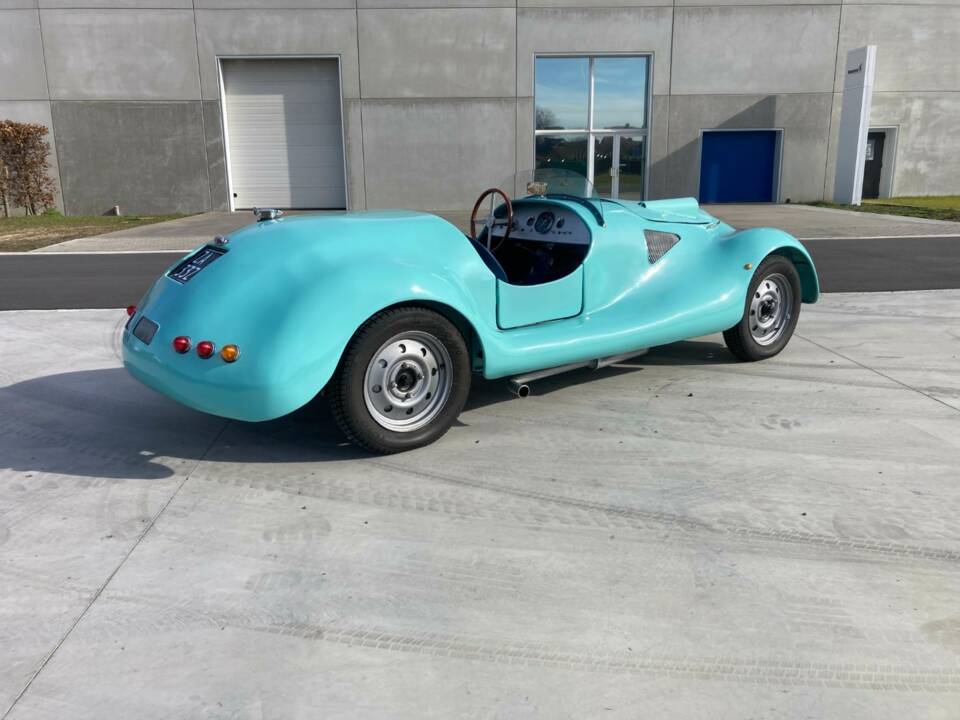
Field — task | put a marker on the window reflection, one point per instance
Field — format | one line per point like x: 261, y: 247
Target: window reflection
x: 619, y: 92
x: 567, y: 152
x: 632, y: 165
x: 608, y: 148
x: 562, y: 91
x: 602, y: 162
x: 628, y: 150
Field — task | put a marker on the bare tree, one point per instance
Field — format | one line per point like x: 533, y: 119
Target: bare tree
x: 546, y: 119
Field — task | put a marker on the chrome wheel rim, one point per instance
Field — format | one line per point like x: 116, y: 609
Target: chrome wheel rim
x: 771, y: 308
x: 408, y: 381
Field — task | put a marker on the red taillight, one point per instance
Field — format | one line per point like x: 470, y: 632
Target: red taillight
x: 181, y: 344
x: 131, y: 309
x: 205, y: 349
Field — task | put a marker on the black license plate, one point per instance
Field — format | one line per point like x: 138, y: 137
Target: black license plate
x: 183, y: 272
x: 145, y: 329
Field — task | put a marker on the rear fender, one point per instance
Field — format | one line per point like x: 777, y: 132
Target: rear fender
x: 325, y: 316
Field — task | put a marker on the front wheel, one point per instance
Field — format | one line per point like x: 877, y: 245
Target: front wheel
x: 403, y: 380
x: 770, y: 313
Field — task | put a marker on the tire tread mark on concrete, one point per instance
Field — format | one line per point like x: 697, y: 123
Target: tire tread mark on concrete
x: 882, y: 676
x: 581, y: 513
x: 654, y: 516
x: 879, y: 676
x: 687, y: 524
x: 103, y: 586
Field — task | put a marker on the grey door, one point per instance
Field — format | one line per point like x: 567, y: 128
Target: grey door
x: 283, y: 133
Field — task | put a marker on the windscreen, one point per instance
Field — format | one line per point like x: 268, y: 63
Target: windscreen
x: 553, y: 182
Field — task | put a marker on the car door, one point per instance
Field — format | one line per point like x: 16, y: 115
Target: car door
x: 522, y: 305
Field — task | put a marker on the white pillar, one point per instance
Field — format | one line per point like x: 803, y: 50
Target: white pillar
x: 854, y: 124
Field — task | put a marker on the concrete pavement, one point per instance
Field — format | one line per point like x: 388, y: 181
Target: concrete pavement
x: 802, y: 221
x: 182, y: 234
x: 683, y: 536
x: 808, y: 222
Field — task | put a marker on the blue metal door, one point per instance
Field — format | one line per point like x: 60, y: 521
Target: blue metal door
x: 738, y: 166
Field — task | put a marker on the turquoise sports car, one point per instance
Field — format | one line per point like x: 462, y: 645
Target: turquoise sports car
x: 390, y: 313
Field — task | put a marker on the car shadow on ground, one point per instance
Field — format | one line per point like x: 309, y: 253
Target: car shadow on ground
x: 103, y: 424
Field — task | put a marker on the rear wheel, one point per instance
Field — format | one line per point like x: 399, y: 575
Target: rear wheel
x: 770, y: 313
x: 402, y: 382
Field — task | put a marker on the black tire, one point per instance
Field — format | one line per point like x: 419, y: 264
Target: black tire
x: 346, y: 391
x: 740, y: 339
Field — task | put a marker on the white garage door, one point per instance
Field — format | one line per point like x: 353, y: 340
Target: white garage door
x: 284, y: 134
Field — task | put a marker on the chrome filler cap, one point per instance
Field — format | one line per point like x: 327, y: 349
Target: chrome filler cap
x: 267, y: 213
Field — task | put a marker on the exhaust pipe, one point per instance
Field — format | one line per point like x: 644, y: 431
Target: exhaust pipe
x: 520, y: 389
x: 519, y: 385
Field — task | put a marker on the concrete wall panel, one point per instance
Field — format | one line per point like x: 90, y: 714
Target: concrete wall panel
x: 17, y: 4
x: 779, y: 3
x: 832, y: 140
x: 917, y: 47
x: 36, y: 111
x: 120, y: 54
x: 609, y: 30
x: 216, y: 155
x: 437, y: 53
x: 525, y: 143
x: 592, y: 3
x: 804, y: 119
x: 144, y: 157
x: 353, y: 144
x: 436, y: 155
x: 142, y: 4
x: 277, y: 32
x: 755, y: 49
x: 278, y: 5
x: 901, y: 2
x: 435, y: 3
x: 22, y: 75
x: 658, y: 185
x: 928, y: 144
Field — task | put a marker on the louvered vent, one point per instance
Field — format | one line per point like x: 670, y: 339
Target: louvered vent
x: 658, y: 243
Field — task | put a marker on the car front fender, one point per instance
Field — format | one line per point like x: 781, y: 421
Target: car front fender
x: 751, y: 247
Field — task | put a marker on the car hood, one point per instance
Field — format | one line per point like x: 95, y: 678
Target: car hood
x: 685, y: 211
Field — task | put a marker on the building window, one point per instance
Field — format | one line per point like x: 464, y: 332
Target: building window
x: 591, y: 117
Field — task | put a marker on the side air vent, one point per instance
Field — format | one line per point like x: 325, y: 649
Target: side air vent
x: 658, y: 243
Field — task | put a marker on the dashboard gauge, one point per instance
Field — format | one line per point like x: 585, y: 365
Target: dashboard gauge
x: 544, y: 222
x: 560, y: 223
x: 530, y: 221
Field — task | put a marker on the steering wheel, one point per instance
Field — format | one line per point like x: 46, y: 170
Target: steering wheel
x: 490, y: 222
